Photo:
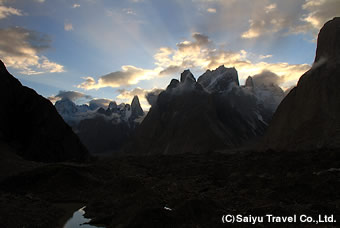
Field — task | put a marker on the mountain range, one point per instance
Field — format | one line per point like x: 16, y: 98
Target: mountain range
x: 102, y: 131
x: 188, y: 116
x: 212, y: 113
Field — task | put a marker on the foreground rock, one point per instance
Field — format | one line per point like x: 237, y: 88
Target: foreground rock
x: 309, y: 116
x: 31, y: 126
x: 187, y: 190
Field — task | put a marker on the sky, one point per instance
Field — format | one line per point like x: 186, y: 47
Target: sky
x: 112, y: 50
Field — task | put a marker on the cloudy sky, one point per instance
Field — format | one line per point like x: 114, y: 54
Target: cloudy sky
x: 108, y: 49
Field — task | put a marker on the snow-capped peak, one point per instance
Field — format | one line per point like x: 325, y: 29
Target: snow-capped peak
x: 219, y: 79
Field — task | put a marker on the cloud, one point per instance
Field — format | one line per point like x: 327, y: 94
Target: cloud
x: 68, y: 27
x: 76, y: 6
x: 126, y: 94
x: 270, y: 21
x: 144, y: 96
x: 211, y: 10
x: 75, y: 96
x: 129, y: 75
x: 70, y: 95
x: 270, y: 8
x: 99, y: 103
x: 40, y: 1
x: 267, y: 78
x: 129, y: 11
x: 254, y: 30
x: 202, y: 54
x: 189, y: 54
x: 265, y: 56
x: 20, y: 49
x: 200, y: 41
x: 171, y: 70
x: 89, y: 83
x: 198, y: 54
x: 152, y: 96
x: 320, y: 11
x: 265, y: 18
x: 8, y: 11
x: 292, y: 17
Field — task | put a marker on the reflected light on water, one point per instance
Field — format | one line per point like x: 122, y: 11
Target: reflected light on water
x: 78, y: 220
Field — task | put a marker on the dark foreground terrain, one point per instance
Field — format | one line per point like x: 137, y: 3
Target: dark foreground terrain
x: 199, y: 189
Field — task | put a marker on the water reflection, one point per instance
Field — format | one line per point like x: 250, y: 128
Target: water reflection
x: 78, y: 220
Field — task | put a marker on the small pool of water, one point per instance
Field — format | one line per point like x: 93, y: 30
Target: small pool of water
x: 78, y: 220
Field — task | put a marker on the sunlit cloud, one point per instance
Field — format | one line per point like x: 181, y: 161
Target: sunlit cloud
x: 76, y: 5
x: 68, y: 27
x: 199, y: 54
x: 79, y: 97
x: 271, y: 21
x: 202, y: 54
x: 309, y: 17
x: 20, y: 48
x: 129, y: 75
x: 252, y: 32
x: 211, y: 10
x: 127, y: 95
x: 8, y: 11
x: 267, y: 78
x: 265, y: 56
x: 100, y: 102
x: 70, y: 95
x: 270, y: 8
x: 320, y: 11
x: 129, y: 11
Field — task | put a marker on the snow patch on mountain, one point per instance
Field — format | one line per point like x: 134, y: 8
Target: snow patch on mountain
x: 73, y: 113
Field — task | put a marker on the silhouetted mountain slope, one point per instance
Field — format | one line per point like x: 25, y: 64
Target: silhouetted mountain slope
x: 31, y: 125
x: 101, y: 135
x: 309, y: 116
x: 194, y: 117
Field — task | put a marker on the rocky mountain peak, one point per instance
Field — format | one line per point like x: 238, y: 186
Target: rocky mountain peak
x: 173, y: 84
x: 189, y: 118
x: 136, y: 108
x: 66, y: 107
x: 113, y: 105
x: 187, y: 77
x: 249, y: 82
x: 328, y: 46
x: 219, y: 79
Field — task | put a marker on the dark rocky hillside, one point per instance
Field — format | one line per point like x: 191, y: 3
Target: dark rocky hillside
x: 309, y: 116
x: 30, y: 124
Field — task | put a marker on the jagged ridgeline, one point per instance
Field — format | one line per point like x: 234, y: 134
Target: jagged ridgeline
x: 212, y: 113
x: 102, y: 130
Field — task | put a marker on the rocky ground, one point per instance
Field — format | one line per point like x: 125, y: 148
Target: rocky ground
x: 199, y: 189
